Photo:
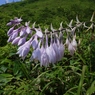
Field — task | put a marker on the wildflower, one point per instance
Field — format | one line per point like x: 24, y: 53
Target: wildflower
x: 44, y: 58
x: 10, y: 31
x: 24, y: 49
x: 44, y: 61
x: 34, y: 42
x: 50, y: 51
x: 39, y: 32
x: 60, y: 49
x: 37, y: 53
x: 67, y: 41
x: 74, y: 43
x: 22, y: 41
x: 13, y: 35
x: 71, y: 49
x: 15, y: 41
x: 23, y: 31
x: 27, y: 29
x: 16, y: 21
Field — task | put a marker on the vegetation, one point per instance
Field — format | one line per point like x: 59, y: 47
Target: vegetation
x: 73, y: 75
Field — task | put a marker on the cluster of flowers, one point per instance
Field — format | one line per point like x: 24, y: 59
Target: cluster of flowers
x: 48, y: 47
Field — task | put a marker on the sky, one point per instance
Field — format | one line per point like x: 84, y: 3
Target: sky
x: 9, y: 1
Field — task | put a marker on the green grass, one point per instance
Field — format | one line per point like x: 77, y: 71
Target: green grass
x: 73, y: 75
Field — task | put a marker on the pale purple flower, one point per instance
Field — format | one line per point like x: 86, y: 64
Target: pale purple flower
x: 52, y: 52
x: 48, y: 50
x: 39, y: 32
x: 55, y: 47
x: 13, y: 35
x: 22, y: 41
x: 34, y: 42
x: 36, y: 54
x: 23, y: 31
x: 67, y: 41
x: 61, y: 49
x: 16, y: 21
x: 10, y: 31
x: 71, y: 49
x: 15, y: 41
x: 60, y: 36
x: 74, y: 43
x: 44, y: 59
x: 27, y: 28
x: 24, y: 49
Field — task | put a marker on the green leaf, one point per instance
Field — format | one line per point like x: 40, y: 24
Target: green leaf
x: 5, y: 78
x: 81, y: 80
x: 91, y: 89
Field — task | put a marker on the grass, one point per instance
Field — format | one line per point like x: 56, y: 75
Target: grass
x: 73, y: 75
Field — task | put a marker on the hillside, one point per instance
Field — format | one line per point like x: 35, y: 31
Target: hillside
x: 44, y: 12
x: 71, y: 69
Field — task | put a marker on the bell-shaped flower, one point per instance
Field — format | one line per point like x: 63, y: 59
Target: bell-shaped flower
x: 28, y: 30
x: 15, y: 21
x: 55, y: 47
x: 10, y: 31
x: 60, y: 36
x: 24, y: 49
x: 39, y: 32
x: 52, y: 54
x: 48, y: 51
x: 34, y: 42
x: 36, y: 54
x: 13, y: 35
x: 44, y: 58
x: 23, y: 31
x: 61, y: 49
x: 71, y: 49
x: 15, y: 41
x: 67, y: 41
x: 74, y: 42
x: 22, y: 41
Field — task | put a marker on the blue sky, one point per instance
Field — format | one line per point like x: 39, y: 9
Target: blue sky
x: 3, y: 1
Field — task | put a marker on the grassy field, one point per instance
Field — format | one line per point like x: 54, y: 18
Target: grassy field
x: 73, y: 75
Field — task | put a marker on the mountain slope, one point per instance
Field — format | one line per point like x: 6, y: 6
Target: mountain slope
x: 44, y: 12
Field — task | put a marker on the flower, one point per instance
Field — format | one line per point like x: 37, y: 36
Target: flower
x: 22, y: 41
x: 23, y: 31
x: 10, y: 31
x: 16, y: 21
x: 24, y: 49
x: 71, y: 49
x: 61, y: 49
x: 44, y: 58
x: 36, y: 54
x: 74, y: 43
x: 13, y: 35
x: 39, y: 32
x: 50, y: 51
x: 34, y: 42
x: 27, y: 28
x: 15, y: 41
x: 55, y: 47
x: 44, y: 61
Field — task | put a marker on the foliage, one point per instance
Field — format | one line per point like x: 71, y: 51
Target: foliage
x: 74, y: 75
